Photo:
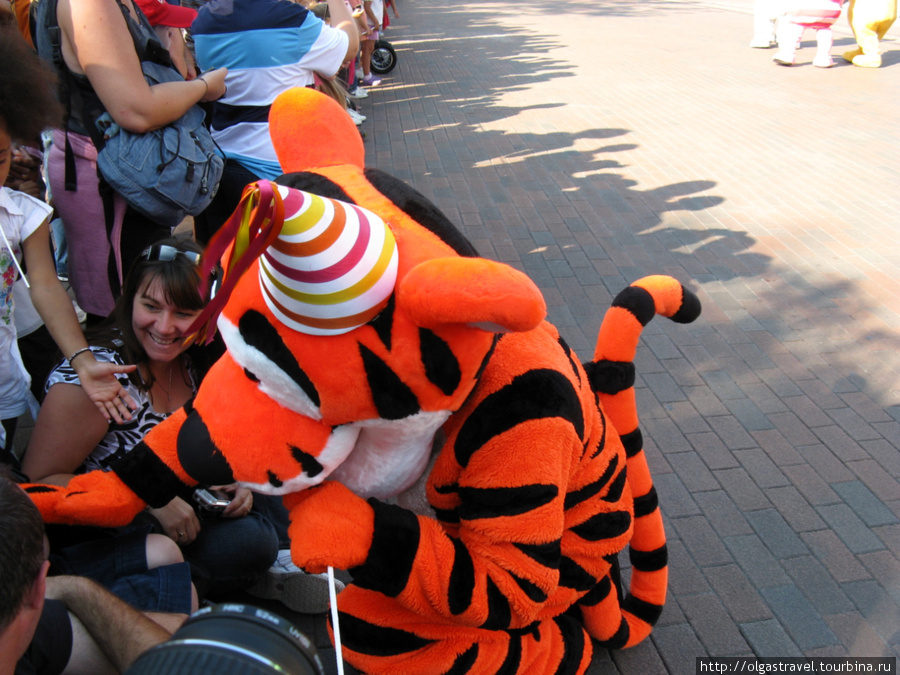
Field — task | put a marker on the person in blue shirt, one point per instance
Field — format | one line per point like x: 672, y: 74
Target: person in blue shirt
x: 267, y: 46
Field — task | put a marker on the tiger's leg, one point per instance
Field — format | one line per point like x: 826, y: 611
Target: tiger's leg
x: 148, y: 475
x: 380, y: 637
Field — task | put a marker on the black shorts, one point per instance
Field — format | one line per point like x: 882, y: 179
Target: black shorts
x: 51, y: 646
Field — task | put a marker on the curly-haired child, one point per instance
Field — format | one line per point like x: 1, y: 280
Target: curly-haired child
x: 27, y: 106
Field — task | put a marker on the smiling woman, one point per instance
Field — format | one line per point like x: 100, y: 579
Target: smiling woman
x: 161, y: 297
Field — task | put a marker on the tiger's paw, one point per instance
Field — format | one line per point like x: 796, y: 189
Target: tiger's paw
x: 330, y: 526
x: 47, y: 499
x: 95, y: 498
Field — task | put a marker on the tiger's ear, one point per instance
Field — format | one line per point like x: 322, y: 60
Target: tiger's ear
x: 481, y: 293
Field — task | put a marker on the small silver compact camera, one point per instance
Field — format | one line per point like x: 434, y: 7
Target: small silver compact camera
x: 207, y: 500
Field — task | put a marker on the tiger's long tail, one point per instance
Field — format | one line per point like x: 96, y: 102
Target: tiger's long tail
x: 612, y: 376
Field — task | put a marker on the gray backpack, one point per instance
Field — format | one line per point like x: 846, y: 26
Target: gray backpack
x: 167, y: 173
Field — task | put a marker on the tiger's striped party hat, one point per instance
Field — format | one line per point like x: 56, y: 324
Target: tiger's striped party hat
x: 332, y: 266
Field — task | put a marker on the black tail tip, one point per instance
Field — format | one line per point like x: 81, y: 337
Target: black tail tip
x: 690, y: 307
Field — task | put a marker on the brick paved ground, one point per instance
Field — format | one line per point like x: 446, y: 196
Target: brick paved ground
x: 591, y: 143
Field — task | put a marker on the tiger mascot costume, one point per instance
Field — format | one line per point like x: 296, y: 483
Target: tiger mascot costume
x: 368, y: 347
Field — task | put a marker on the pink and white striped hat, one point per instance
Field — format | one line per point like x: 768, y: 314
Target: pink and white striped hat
x: 332, y: 267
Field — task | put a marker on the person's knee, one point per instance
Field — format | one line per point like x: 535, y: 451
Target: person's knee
x: 162, y: 551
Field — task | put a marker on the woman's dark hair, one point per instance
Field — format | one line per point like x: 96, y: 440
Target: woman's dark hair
x: 179, y: 278
x: 28, y: 102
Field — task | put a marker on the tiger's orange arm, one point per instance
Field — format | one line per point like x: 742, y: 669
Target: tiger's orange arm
x: 149, y: 474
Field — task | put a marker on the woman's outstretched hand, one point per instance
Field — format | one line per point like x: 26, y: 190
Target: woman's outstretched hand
x: 98, y: 379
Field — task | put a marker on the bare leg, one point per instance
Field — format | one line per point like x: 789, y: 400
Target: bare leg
x: 171, y: 622
x: 108, y: 634
x: 162, y: 551
x: 368, y: 46
x: 87, y: 657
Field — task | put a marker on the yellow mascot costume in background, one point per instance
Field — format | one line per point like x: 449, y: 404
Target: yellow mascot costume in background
x: 870, y: 21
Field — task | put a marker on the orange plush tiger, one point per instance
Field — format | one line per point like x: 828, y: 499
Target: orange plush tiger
x: 368, y: 348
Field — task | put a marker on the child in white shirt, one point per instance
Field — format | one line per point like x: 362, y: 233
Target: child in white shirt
x: 27, y: 105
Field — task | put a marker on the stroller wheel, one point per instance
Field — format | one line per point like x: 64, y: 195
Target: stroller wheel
x: 384, y: 58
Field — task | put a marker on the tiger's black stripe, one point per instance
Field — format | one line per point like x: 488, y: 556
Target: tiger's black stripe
x: 198, y: 455
x: 496, y: 502
x: 571, y: 356
x: 257, y: 332
x: 393, y: 550
x: 619, y: 638
x: 510, y: 665
x: 150, y: 478
x: 604, y: 526
x: 446, y: 515
x: 610, y: 377
x: 393, y: 399
x: 615, y: 573
x: 547, y: 555
x: 690, y: 307
x: 534, y: 592
x: 638, y: 301
x: 367, y: 638
x: 43, y: 489
x: 649, y: 561
x: 572, y: 575
x: 598, y: 593
x: 310, y: 465
x: 633, y: 442
x: 615, y: 488
x: 499, y: 611
x: 647, y: 612
x: 601, y: 444
x: 464, y: 662
x: 646, y: 504
x: 592, y: 489
x: 573, y: 644
x: 441, y: 366
x: 383, y: 323
x: 462, y: 579
x: 537, y: 394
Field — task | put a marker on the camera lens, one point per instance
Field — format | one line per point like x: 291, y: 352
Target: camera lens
x: 232, y: 639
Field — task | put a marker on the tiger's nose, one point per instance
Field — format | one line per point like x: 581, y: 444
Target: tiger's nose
x: 199, y: 456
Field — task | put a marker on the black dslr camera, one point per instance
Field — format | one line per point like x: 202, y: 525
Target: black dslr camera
x: 232, y: 639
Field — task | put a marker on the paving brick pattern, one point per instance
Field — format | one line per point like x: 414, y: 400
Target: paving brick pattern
x: 590, y: 144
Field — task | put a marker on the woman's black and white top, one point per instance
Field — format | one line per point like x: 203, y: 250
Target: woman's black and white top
x: 120, y: 438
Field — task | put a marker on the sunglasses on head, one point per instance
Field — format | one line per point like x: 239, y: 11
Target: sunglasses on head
x: 166, y: 253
